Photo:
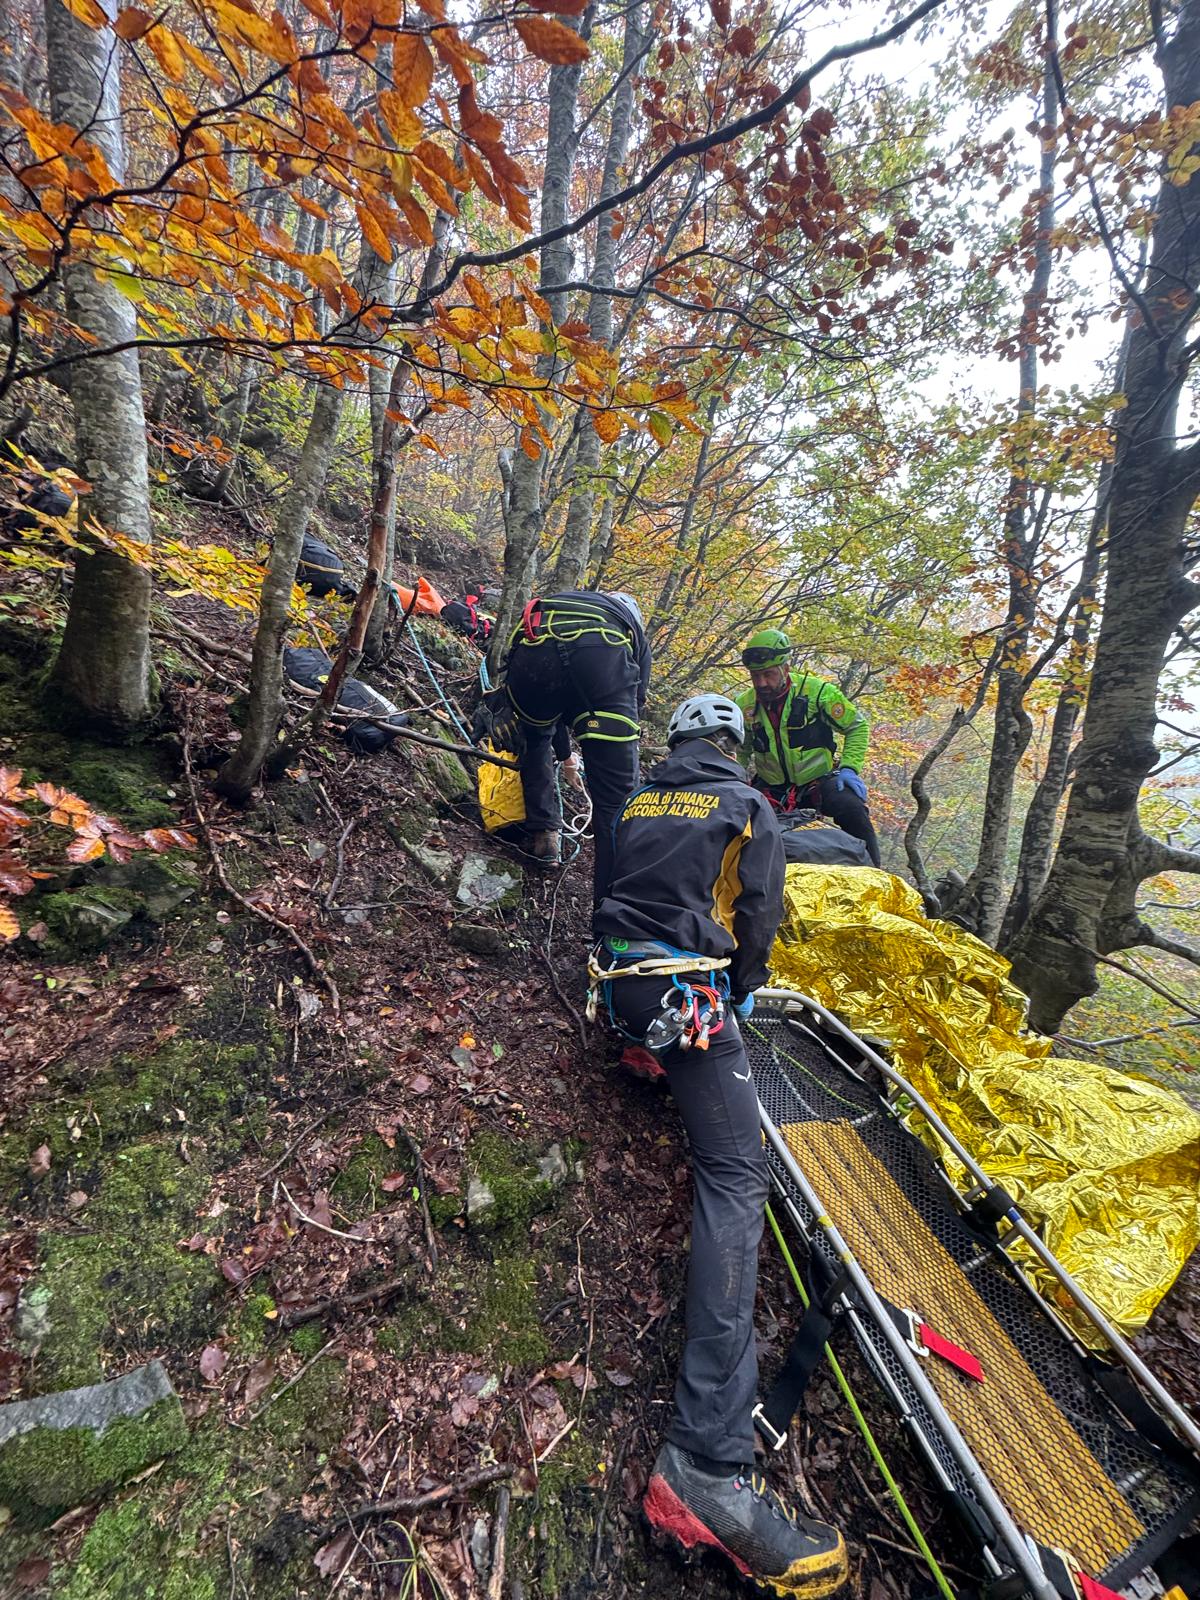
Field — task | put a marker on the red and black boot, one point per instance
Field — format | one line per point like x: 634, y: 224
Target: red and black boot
x: 741, y: 1516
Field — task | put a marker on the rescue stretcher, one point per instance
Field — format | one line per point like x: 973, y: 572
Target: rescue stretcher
x: 1074, y: 1476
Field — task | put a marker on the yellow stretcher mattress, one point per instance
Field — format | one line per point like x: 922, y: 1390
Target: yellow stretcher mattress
x: 1106, y: 1166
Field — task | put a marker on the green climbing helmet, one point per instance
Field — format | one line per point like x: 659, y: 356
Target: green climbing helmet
x: 769, y: 647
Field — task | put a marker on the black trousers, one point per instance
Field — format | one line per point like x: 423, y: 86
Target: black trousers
x: 594, y: 686
x: 844, y: 807
x: 716, y: 1387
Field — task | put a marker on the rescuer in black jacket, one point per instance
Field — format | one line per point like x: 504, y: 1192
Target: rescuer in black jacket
x: 698, y: 871
x: 580, y: 656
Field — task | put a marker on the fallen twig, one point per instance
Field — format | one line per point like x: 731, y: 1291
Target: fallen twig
x: 495, y: 1588
x: 292, y: 1382
x: 568, y: 1427
x: 411, y: 1504
x: 295, y: 1315
x: 422, y: 1196
x: 316, y: 970
x: 571, y: 1010
x: 322, y: 1227
x: 340, y: 864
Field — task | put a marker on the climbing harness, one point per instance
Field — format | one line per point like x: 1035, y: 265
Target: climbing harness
x: 567, y: 625
x: 690, y: 1013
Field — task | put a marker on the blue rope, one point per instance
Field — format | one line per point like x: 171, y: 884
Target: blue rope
x: 454, y: 717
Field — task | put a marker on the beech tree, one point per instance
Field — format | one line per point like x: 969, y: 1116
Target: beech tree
x: 103, y: 667
x: 1088, y: 907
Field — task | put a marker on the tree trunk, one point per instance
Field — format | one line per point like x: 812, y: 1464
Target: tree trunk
x: 240, y: 773
x: 523, y: 524
x: 577, y: 533
x: 670, y: 587
x: 346, y: 661
x: 103, y: 668
x: 1037, y: 835
x: 385, y: 435
x: 1155, y: 484
x: 231, y: 422
x: 981, y: 904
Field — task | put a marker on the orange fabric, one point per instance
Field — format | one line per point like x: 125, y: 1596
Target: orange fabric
x: 429, y: 601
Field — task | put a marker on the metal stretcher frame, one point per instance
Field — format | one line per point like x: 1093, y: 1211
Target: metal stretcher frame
x: 1020, y: 1550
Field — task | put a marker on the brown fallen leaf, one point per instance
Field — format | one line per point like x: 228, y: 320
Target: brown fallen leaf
x: 259, y: 1379
x: 39, y: 1161
x: 331, y: 1557
x: 32, y: 1572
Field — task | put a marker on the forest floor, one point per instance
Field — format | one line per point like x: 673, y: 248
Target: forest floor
x: 211, y: 1167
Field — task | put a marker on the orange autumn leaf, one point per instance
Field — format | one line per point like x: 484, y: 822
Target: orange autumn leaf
x: 412, y: 68
x: 552, y: 41
x: 607, y: 424
x: 374, y: 234
x: 88, y: 12
x: 402, y: 121
x: 132, y: 23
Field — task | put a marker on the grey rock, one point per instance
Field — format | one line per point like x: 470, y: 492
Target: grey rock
x: 478, y: 939
x: 63, y: 1449
x: 488, y: 882
x: 160, y: 886
x: 552, y: 1168
x: 85, y: 918
x: 439, y: 864
x: 32, y: 1321
x: 481, y: 1202
x: 481, y: 1546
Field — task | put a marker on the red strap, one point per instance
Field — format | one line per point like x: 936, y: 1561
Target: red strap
x: 1091, y: 1590
x: 957, y: 1357
x: 531, y: 619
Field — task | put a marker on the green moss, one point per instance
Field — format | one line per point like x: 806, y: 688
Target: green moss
x: 443, y: 1208
x: 355, y: 1191
x: 255, y: 1324
x: 210, y: 1083
x: 126, y: 1286
x: 424, y: 1327
x: 553, y: 1527
x: 510, y: 1172
x: 168, y: 1538
x: 308, y: 1339
x: 310, y: 1413
x: 505, y: 1322
x: 66, y: 1466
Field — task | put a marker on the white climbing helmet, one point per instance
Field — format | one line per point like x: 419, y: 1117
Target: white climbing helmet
x: 630, y: 605
x: 704, y: 714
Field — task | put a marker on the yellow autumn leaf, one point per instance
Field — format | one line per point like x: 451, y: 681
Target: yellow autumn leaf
x: 403, y: 123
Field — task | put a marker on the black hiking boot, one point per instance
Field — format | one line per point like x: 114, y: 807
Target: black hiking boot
x: 546, y: 847
x: 768, y: 1541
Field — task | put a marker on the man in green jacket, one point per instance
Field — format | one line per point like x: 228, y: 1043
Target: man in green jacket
x: 795, y: 720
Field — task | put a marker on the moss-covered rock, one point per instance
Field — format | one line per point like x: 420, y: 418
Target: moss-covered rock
x: 124, y: 1287
x: 81, y: 921
x: 64, y: 1449
x: 506, y: 1186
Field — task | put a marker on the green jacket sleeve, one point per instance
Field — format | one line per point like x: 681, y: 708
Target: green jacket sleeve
x: 850, y: 723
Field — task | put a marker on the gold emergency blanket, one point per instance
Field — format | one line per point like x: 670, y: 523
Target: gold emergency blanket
x: 1105, y: 1166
